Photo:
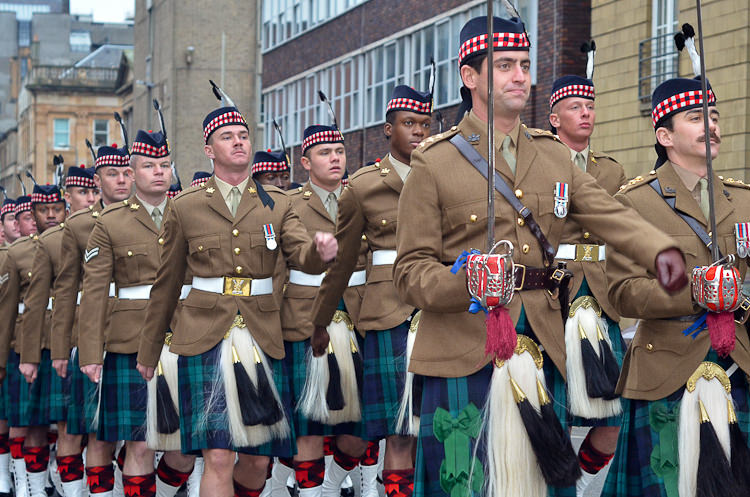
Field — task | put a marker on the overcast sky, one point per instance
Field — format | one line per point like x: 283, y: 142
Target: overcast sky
x: 104, y: 11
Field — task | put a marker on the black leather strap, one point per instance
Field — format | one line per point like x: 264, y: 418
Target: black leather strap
x: 480, y: 164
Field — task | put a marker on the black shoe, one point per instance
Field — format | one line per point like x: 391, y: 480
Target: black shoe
x: 347, y: 492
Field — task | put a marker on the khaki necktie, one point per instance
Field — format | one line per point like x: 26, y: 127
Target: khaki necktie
x: 234, y: 199
x: 580, y: 161
x: 510, y: 159
x: 332, y: 206
x: 704, y: 197
x: 156, y: 216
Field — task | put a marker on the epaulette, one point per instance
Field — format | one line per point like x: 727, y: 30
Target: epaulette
x: 734, y: 182
x: 52, y: 230
x: 538, y: 132
x: 364, y: 170
x: 601, y: 155
x: 637, y: 181
x: 295, y: 191
x: 23, y: 239
x: 269, y: 189
x: 445, y: 135
x: 82, y: 212
x: 115, y: 206
x: 189, y: 190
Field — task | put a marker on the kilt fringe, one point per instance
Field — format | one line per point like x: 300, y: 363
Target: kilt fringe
x: 407, y: 419
x: 97, y: 412
x: 154, y: 439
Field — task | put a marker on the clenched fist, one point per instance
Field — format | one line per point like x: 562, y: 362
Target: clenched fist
x: 326, y: 245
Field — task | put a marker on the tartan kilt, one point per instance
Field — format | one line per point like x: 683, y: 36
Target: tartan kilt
x: 556, y: 384
x: 82, y: 400
x: 48, y: 398
x: 3, y: 398
x: 295, y: 362
x: 17, y: 394
x: 631, y: 473
x: 200, y: 430
x: 122, y: 404
x: 384, y: 355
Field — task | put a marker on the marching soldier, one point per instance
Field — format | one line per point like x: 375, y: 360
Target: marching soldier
x: 442, y: 212
x: 229, y: 233
x: 269, y: 169
x: 8, y: 219
x: 123, y: 247
x: 368, y: 208
x: 573, y: 115
x: 11, y: 234
x: 36, y: 364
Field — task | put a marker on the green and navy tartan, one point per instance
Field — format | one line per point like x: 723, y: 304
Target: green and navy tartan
x: 82, y: 401
x: 3, y: 398
x: 17, y: 394
x: 384, y: 378
x: 296, y: 367
x: 122, y: 409
x: 47, y: 400
x: 631, y: 473
x: 197, y: 377
x: 556, y: 384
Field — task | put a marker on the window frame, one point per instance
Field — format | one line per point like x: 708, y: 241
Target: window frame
x: 55, y: 144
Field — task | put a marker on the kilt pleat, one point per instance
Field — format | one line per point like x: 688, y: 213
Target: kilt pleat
x: 122, y: 408
x: 82, y: 400
x: 17, y: 394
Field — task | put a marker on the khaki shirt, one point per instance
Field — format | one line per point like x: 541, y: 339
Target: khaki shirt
x: 661, y: 359
x: 443, y: 211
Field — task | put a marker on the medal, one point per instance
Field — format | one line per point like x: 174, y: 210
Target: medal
x: 270, y: 236
x: 742, y: 236
x: 561, y: 199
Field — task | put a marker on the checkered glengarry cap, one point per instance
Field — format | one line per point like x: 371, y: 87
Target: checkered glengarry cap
x: 677, y: 95
x: 9, y: 207
x: 200, y: 178
x: 150, y: 144
x: 80, y: 176
x: 23, y: 203
x: 409, y: 99
x: 571, y: 86
x: 508, y: 34
x: 112, y: 156
x: 268, y: 161
x: 318, y: 133
x: 224, y: 116
x: 174, y: 190
x: 46, y: 194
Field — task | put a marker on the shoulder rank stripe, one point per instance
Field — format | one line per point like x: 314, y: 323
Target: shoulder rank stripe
x: 90, y: 254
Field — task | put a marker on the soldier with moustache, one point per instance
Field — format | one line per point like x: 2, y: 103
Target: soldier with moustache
x: 229, y: 233
x: 367, y: 211
x: 29, y: 404
x: 123, y: 248
x: 443, y: 212
x: 113, y: 178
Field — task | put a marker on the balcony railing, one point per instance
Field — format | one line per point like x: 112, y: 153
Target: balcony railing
x: 71, y: 77
x: 658, y: 61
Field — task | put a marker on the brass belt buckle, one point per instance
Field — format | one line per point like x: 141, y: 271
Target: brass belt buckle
x: 238, y: 287
x: 587, y: 253
x: 523, y: 275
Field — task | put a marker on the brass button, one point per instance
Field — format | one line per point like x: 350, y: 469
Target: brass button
x: 235, y: 232
x: 238, y: 270
x: 28, y: 274
x: 130, y: 253
x: 649, y: 346
x: 236, y: 250
x: 364, y: 238
x: 383, y: 222
x: 521, y: 222
x: 161, y: 241
x: 519, y: 193
x: 525, y: 248
x: 586, y: 235
x: 473, y: 218
x: 200, y: 248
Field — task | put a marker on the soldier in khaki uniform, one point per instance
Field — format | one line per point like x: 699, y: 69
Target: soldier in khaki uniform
x: 123, y: 247
x: 368, y: 208
x: 30, y: 416
x: 114, y: 179
x: 663, y: 354
x: 229, y: 233
x: 8, y: 220
x: 11, y: 233
x: 269, y: 169
x: 442, y: 212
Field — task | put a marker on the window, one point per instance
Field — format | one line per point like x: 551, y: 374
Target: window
x: 101, y: 132
x: 80, y: 41
x: 61, y: 133
x: 657, y: 58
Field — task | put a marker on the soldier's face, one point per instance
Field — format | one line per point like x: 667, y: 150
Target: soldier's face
x: 152, y: 176
x: 115, y: 183
x: 687, y: 141
x: 79, y: 197
x: 10, y: 228
x: 230, y: 147
x: 326, y: 163
x: 26, y: 223
x: 511, y: 79
x: 574, y: 118
x: 48, y: 215
x: 406, y: 133
x: 279, y: 179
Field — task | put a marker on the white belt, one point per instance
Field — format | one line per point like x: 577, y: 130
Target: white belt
x: 140, y: 292
x: 581, y: 252
x: 49, y: 303
x: 21, y: 307
x: 358, y: 278
x: 305, y: 279
x: 219, y: 285
x: 78, y: 298
x: 112, y: 290
x: 184, y: 291
x: 383, y: 257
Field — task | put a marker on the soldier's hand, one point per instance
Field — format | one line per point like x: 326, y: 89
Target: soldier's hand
x: 326, y: 245
x: 61, y: 367
x: 2, y: 373
x: 319, y: 341
x: 29, y: 371
x: 146, y: 372
x: 670, y: 270
x: 93, y: 371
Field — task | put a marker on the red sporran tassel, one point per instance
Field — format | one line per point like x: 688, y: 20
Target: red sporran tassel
x: 722, y: 332
x: 501, y: 334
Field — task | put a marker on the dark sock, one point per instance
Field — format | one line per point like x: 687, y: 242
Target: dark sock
x: 310, y: 474
x: 51, y: 437
x: 590, y: 459
x: 242, y: 491
x: 140, y: 485
x: 70, y: 467
x: 171, y: 476
x: 398, y: 482
x: 37, y: 458
x: 4, y: 443
x: 344, y: 460
x: 328, y: 446
x: 370, y: 457
x: 100, y: 479
x: 16, y: 447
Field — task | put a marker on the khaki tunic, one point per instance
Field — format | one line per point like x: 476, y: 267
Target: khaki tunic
x: 443, y: 211
x: 661, y: 359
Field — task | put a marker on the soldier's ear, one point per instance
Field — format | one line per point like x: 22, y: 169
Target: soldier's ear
x: 554, y: 120
x: 469, y: 76
x: 388, y: 129
x: 209, y: 151
x: 663, y: 137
